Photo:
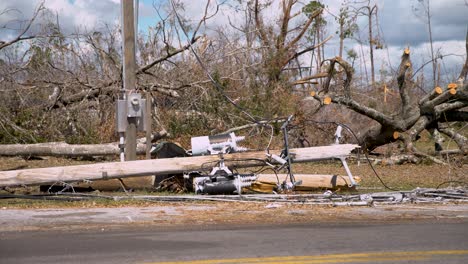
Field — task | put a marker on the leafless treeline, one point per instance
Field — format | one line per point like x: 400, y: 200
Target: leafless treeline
x: 58, y: 87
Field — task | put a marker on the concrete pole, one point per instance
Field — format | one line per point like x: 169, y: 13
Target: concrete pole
x: 129, y: 69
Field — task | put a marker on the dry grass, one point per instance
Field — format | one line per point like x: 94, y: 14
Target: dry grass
x: 402, y: 177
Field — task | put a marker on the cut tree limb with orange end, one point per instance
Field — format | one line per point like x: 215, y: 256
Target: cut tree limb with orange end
x: 452, y: 86
x: 396, y: 135
x: 438, y: 90
x: 327, y: 100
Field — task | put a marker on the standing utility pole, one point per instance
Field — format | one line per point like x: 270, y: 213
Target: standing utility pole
x: 129, y: 76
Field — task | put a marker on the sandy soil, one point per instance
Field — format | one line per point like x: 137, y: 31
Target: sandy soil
x: 166, y: 215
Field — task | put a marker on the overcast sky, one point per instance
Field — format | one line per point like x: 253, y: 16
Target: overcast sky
x: 400, y: 27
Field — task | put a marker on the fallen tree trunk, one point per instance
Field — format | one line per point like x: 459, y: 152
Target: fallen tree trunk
x: 72, y: 150
x: 111, y: 170
x: 431, y: 112
x: 310, y: 182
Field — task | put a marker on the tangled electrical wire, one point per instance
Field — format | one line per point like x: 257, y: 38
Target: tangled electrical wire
x: 244, y: 111
x: 366, y: 155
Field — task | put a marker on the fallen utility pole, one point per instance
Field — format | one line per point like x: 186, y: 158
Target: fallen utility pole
x: 111, y: 170
x: 309, y: 182
x: 62, y: 149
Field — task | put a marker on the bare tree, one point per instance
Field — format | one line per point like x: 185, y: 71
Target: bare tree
x: 370, y: 11
x: 434, y: 111
x: 24, y: 34
x: 63, y: 87
x: 347, y: 24
x: 58, y: 90
x: 424, y: 12
x: 282, y: 44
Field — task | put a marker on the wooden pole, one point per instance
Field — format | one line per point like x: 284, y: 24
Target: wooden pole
x: 129, y: 69
x: 102, y: 171
x: 266, y: 182
x: 62, y: 149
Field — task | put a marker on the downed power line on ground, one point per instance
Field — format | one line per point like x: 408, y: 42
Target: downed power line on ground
x: 416, y: 196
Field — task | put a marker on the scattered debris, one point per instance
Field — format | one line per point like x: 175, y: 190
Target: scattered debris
x: 209, y: 168
x: 273, y: 205
x: 297, y: 212
x: 416, y: 196
x: 173, y: 184
x: 224, y: 180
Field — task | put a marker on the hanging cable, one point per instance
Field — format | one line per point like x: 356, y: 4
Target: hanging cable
x: 220, y: 89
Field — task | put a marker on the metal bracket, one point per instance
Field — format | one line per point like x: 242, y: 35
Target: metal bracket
x: 338, y: 134
x: 350, y: 176
x: 221, y: 167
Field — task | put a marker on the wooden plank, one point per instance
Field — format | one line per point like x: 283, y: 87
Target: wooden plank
x: 102, y: 171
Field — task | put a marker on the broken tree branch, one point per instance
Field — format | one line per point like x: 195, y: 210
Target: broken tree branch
x: 297, y: 54
x: 459, y: 139
x: 20, y: 36
x: 299, y: 36
x: 169, y: 55
x: 313, y: 77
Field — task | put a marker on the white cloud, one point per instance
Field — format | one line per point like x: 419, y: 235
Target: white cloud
x: 399, y: 25
x: 389, y: 59
x: 87, y: 14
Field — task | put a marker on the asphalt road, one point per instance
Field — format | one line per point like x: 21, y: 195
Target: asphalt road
x: 415, y: 242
